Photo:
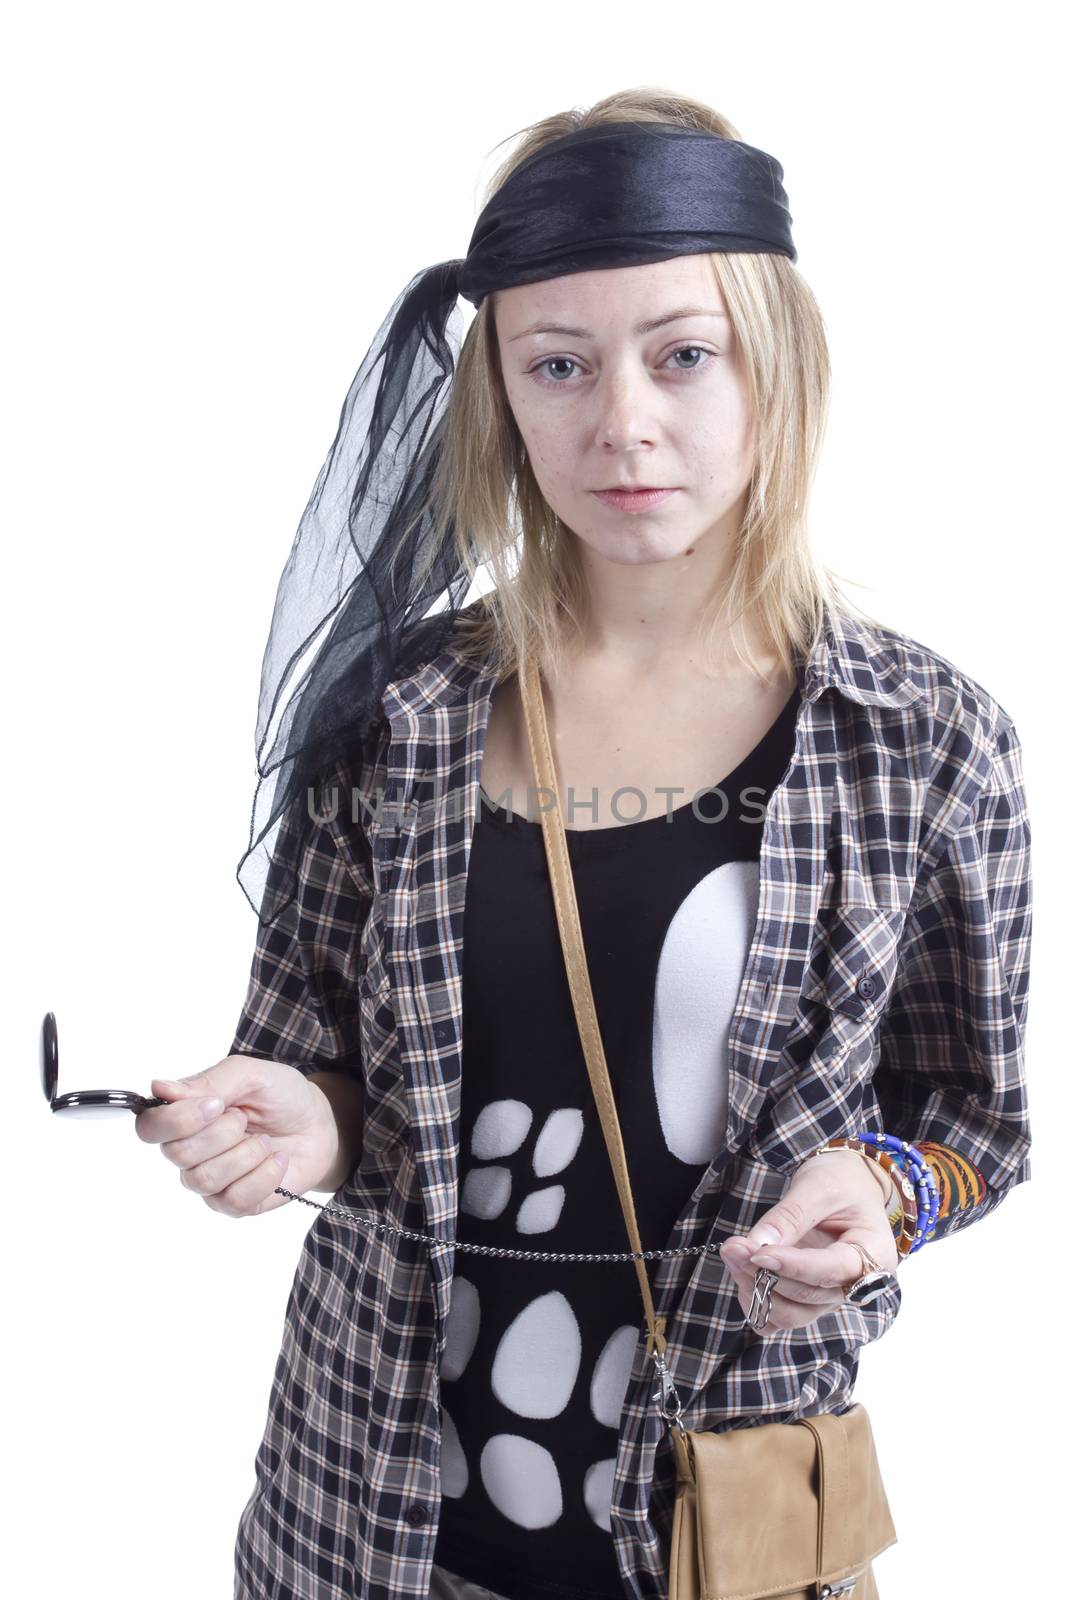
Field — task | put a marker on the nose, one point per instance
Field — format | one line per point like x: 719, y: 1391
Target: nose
x: 625, y: 398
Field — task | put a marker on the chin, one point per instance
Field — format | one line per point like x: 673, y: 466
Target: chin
x: 641, y: 547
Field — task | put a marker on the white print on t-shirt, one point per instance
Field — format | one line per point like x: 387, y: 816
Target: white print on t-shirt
x: 535, y: 1366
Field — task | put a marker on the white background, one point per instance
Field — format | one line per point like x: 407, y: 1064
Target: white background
x: 209, y: 210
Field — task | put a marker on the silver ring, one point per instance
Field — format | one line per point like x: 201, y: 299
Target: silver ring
x: 760, y: 1308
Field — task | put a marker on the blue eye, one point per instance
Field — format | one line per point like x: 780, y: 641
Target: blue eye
x: 553, y: 361
x: 567, y: 361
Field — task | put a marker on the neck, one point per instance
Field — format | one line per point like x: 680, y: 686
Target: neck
x: 644, y: 618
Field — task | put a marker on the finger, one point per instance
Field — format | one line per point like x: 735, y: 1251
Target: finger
x: 735, y: 1258
x: 162, y: 1124
x: 793, y: 1304
x: 799, y: 1210
x: 253, y: 1195
x: 736, y: 1254
x: 219, y: 1135
x: 273, y: 1199
x: 814, y: 1193
x: 210, y: 1178
x: 196, y: 1086
x: 803, y: 1294
x: 233, y: 1080
x: 832, y: 1267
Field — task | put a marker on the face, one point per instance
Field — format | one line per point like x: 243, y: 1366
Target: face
x: 602, y: 398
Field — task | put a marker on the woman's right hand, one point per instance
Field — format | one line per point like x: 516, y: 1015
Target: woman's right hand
x: 271, y: 1120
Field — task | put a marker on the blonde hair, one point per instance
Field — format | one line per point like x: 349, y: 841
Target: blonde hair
x: 485, y: 490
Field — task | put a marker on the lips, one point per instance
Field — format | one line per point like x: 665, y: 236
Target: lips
x: 633, y: 499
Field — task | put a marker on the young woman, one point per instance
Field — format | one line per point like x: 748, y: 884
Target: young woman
x: 800, y: 849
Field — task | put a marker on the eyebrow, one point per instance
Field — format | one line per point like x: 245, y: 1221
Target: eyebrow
x: 642, y: 327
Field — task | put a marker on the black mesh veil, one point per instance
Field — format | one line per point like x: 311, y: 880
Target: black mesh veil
x: 354, y: 607
x: 350, y: 591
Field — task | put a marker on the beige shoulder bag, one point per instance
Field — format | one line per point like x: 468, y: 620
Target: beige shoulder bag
x: 797, y: 1510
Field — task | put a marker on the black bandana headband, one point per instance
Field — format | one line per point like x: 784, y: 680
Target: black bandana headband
x: 619, y: 194
x: 348, y: 616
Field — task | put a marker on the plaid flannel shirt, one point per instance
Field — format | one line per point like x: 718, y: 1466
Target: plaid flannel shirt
x: 885, y: 988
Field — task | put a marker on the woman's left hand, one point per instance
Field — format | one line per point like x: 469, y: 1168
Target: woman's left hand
x: 809, y: 1238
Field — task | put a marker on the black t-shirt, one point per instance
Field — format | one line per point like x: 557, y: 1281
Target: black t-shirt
x: 539, y: 1353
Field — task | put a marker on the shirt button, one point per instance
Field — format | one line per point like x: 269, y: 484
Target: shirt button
x: 867, y: 988
x: 416, y: 1515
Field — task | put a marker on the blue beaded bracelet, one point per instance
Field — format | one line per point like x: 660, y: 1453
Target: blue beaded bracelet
x: 916, y: 1174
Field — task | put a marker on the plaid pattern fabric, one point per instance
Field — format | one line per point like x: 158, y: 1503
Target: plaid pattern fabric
x: 885, y: 988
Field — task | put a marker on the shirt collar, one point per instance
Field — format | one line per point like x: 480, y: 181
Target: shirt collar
x: 865, y: 662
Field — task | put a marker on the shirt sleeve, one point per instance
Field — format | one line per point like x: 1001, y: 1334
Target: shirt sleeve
x: 302, y: 1002
x: 950, y: 1076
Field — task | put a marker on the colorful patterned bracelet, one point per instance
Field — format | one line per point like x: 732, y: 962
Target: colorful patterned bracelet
x: 959, y: 1184
x: 912, y: 1178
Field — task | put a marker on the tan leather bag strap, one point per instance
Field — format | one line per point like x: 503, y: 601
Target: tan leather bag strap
x: 559, y: 868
